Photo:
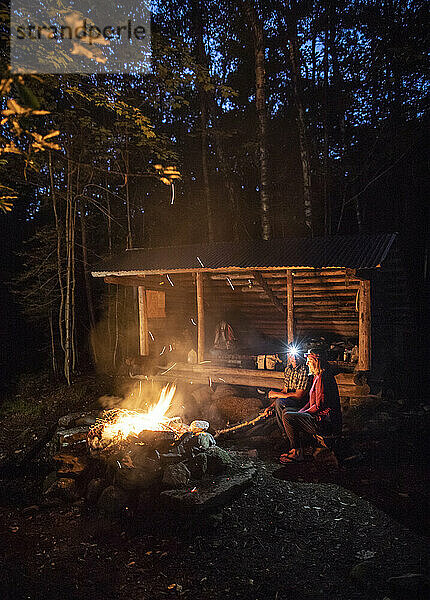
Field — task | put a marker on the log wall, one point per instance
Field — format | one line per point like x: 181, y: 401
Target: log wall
x: 324, y: 302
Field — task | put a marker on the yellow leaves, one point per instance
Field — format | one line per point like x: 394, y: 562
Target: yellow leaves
x: 10, y: 148
x: 6, y: 196
x: 41, y: 142
x: 6, y: 204
x: 167, y: 174
x: 5, y: 85
x: 16, y: 109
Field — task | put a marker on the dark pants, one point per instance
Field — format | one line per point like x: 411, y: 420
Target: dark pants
x: 274, y: 422
x: 285, y: 405
x: 297, y: 425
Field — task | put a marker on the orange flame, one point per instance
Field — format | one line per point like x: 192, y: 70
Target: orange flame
x: 122, y: 422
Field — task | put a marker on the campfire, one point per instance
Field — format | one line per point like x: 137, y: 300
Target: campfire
x: 142, y: 460
x: 119, y: 426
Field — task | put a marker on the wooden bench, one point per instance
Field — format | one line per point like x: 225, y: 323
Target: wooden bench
x: 350, y: 384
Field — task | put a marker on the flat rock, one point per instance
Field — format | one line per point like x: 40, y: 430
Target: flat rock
x: 75, y: 435
x: 235, y: 409
x: 68, y: 420
x: 69, y: 464
x: 94, y: 489
x: 218, y: 460
x: 142, y: 476
x: 176, y: 476
x: 64, y: 488
x: 209, y: 494
x: 86, y: 420
x: 198, y: 465
x: 113, y: 500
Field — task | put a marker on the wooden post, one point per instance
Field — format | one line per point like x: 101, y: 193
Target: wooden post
x: 290, y: 307
x: 200, y: 319
x: 143, y: 322
x: 364, y: 325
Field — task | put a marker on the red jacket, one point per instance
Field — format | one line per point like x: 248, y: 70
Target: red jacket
x: 324, y: 401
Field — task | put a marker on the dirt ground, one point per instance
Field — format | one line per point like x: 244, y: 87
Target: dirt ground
x: 299, y: 532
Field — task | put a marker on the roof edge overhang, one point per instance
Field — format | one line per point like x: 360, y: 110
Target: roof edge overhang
x: 208, y: 270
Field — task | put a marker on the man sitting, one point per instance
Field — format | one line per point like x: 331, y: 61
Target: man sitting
x: 294, y: 393
x: 320, y: 416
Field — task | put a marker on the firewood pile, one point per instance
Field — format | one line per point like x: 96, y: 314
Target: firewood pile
x: 178, y: 466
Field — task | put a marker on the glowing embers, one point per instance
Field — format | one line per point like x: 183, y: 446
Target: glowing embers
x: 119, y: 425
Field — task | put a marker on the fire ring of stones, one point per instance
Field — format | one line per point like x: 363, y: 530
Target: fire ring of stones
x: 123, y: 469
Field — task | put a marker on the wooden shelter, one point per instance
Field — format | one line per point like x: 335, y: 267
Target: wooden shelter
x: 282, y: 290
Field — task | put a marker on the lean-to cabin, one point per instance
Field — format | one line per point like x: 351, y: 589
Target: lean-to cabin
x: 266, y: 295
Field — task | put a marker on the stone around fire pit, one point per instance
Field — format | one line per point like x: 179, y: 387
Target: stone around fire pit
x: 209, y: 494
x: 94, y: 489
x: 64, y: 488
x: 228, y: 476
x: 113, y: 500
x: 219, y: 460
x: 176, y: 476
x: 146, y: 475
x: 70, y: 465
x: 198, y: 465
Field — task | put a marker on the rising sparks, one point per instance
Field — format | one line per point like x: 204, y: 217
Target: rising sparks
x: 167, y: 370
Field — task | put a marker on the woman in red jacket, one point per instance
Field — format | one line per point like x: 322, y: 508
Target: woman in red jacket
x: 320, y: 416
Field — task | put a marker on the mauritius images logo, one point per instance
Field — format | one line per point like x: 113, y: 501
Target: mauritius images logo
x: 48, y: 36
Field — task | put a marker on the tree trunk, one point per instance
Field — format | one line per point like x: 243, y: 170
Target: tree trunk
x: 115, y: 349
x: 109, y: 219
x: 126, y: 160
x: 67, y: 319
x: 202, y: 61
x: 301, y: 122
x: 256, y: 26
x: 87, y: 279
x: 59, y: 258
x: 325, y: 125
x: 227, y: 178
x: 51, y: 332
x: 69, y: 303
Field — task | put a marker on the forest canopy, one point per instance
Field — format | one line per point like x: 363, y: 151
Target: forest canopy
x: 258, y: 119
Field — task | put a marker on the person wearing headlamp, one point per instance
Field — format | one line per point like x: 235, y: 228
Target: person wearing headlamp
x: 293, y: 395
x: 322, y: 413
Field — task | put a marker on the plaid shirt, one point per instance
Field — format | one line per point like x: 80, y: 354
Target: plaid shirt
x: 296, y: 378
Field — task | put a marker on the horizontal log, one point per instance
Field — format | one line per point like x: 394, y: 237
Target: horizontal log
x: 311, y: 290
x: 270, y: 274
x: 261, y: 300
x: 248, y: 377
x: 271, y: 281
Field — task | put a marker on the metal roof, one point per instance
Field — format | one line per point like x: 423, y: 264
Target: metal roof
x: 354, y: 252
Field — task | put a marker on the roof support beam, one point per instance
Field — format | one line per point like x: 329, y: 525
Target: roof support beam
x: 290, y: 307
x: 143, y: 322
x: 200, y: 318
x: 364, y: 327
x: 268, y: 291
